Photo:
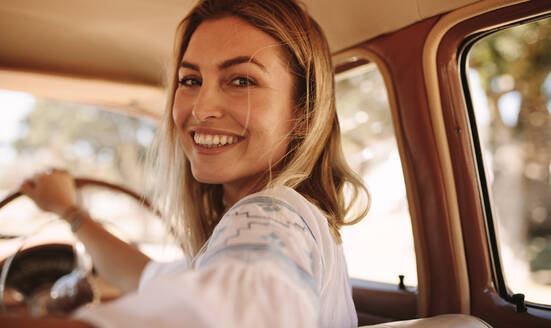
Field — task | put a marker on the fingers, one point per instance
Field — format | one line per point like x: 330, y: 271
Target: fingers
x: 27, y: 186
x: 56, y: 170
x: 52, y: 190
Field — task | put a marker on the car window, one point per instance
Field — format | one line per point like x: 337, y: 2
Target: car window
x: 510, y: 88
x: 380, y: 247
x: 90, y: 142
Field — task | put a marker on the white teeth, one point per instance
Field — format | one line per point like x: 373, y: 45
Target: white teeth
x: 210, y: 140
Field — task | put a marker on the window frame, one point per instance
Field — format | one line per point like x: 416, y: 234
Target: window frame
x: 487, y: 300
x: 489, y: 209
x: 346, y: 62
x: 378, y: 302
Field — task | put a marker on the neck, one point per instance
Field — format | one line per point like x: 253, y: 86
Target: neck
x: 236, y: 190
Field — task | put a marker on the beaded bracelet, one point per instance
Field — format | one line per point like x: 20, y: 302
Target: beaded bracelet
x: 75, y: 215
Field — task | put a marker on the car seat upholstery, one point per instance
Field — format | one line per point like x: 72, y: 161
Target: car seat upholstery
x: 444, y: 320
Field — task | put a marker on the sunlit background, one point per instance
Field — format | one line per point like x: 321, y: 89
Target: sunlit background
x: 91, y: 142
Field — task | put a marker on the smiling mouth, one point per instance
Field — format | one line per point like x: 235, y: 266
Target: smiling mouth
x: 213, y: 140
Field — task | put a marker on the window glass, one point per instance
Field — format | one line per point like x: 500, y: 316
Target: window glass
x: 510, y: 82
x: 90, y: 142
x: 380, y: 247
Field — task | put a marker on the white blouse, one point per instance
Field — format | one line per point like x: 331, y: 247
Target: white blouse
x: 270, y: 262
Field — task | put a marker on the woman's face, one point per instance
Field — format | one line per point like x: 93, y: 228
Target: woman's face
x: 234, y: 103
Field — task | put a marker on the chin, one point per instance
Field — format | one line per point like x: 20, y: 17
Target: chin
x: 208, y: 177
x: 208, y: 180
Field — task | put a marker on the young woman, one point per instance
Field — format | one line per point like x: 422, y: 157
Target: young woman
x: 250, y: 173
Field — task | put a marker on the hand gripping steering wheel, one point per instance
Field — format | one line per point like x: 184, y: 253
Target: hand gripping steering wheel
x: 56, y: 266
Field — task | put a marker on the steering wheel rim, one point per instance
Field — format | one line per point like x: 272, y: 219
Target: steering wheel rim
x: 81, y: 182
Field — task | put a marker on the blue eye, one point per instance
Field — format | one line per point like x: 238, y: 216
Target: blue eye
x: 189, y: 82
x: 242, y: 82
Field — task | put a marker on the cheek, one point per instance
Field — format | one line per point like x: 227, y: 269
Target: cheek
x: 274, y: 122
x: 244, y: 108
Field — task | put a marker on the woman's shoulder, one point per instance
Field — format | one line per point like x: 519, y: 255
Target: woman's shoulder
x: 285, y: 202
x: 281, y: 197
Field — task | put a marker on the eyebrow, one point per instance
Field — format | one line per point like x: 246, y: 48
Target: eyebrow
x: 227, y: 63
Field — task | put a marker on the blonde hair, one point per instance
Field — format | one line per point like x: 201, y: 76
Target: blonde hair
x: 314, y: 164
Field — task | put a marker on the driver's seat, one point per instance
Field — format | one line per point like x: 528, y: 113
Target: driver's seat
x: 444, y: 320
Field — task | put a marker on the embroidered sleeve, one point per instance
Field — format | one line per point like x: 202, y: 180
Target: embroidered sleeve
x: 270, y: 231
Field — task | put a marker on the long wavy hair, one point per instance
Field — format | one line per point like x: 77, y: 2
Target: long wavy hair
x: 314, y: 164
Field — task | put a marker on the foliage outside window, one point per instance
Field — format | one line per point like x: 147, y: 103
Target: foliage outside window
x: 510, y: 85
x: 380, y: 247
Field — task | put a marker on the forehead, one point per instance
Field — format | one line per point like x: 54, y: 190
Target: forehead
x: 227, y: 37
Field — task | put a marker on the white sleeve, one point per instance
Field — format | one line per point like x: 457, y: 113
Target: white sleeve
x: 262, y: 268
x: 155, y: 269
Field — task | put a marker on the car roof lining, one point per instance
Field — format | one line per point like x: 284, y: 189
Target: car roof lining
x: 130, y: 41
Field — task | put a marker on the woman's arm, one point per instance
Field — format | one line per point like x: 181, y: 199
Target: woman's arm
x: 118, y: 262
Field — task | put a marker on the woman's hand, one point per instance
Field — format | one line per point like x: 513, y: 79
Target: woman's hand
x: 117, y: 261
x: 52, y: 191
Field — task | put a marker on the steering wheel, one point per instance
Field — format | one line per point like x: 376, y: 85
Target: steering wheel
x: 50, y: 278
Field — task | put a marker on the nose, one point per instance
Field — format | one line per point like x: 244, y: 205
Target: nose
x: 207, y: 105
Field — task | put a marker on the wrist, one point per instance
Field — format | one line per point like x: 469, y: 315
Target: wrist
x: 74, y: 215
x: 60, y: 209
x: 67, y: 213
